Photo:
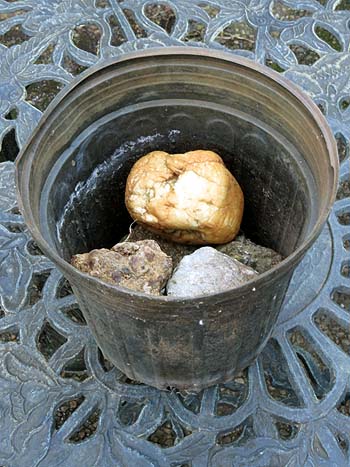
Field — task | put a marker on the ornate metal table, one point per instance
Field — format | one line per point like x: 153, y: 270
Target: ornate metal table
x: 61, y: 403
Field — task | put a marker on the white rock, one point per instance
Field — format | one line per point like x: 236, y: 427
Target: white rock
x: 207, y: 271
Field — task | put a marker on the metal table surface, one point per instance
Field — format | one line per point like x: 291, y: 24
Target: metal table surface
x: 61, y: 404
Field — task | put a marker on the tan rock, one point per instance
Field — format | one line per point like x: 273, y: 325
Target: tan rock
x: 188, y: 198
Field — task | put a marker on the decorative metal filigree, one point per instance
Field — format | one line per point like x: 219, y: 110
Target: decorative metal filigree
x: 61, y: 402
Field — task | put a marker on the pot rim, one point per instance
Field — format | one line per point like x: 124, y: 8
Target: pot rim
x: 128, y: 294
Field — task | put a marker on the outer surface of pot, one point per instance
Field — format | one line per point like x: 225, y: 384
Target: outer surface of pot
x: 270, y: 135
x: 188, y: 352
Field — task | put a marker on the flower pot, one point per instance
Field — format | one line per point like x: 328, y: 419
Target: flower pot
x: 71, y: 181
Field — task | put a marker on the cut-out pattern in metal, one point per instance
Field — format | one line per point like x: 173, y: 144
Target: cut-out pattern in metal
x: 61, y: 402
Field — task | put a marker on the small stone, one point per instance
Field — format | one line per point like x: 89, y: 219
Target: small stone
x: 175, y: 250
x: 207, y: 271
x: 245, y: 251
x: 140, y: 266
x: 242, y: 249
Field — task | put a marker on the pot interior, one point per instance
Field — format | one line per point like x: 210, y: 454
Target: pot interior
x: 82, y: 202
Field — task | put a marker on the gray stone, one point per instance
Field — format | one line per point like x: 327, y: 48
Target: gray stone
x: 245, y: 251
x: 207, y: 271
x: 140, y: 266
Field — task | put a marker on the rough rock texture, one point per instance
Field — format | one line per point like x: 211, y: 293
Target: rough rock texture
x: 175, y: 250
x: 249, y: 253
x: 140, y: 266
x: 207, y: 271
x: 242, y: 249
x: 188, y: 198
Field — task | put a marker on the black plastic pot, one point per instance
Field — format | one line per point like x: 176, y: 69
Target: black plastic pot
x: 71, y: 180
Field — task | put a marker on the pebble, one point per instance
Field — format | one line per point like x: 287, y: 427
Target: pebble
x: 258, y: 257
x: 175, y: 250
x: 207, y: 271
